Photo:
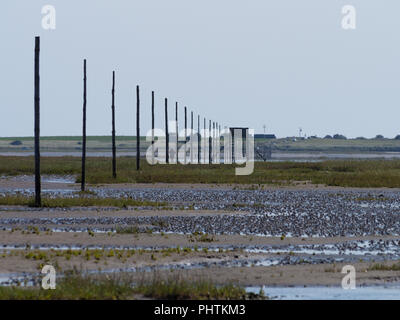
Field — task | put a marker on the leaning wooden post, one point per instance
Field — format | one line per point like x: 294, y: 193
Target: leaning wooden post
x: 185, y: 134
x: 166, y: 132
x: 38, y: 198
x: 152, y: 127
x: 114, y: 150
x: 177, y: 133
x: 83, y: 179
x: 137, y: 129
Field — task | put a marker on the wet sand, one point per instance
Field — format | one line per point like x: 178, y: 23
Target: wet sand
x: 273, y: 236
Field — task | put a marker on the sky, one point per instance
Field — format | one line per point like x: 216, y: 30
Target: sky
x: 284, y: 64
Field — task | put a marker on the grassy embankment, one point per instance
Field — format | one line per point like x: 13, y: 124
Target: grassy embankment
x: 345, y: 173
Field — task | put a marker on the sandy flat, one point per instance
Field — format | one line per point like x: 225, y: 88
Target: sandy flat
x: 287, y: 275
x: 155, y: 240
x: 27, y: 182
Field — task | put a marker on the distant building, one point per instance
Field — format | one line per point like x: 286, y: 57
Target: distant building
x: 264, y: 136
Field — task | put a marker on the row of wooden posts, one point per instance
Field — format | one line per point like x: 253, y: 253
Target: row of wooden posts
x: 215, y: 125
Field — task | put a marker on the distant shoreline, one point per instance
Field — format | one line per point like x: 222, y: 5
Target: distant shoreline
x: 276, y: 156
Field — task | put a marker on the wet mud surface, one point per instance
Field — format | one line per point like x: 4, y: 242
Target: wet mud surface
x: 263, y: 232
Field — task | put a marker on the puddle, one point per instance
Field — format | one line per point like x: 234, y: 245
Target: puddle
x: 16, y: 279
x: 391, y: 292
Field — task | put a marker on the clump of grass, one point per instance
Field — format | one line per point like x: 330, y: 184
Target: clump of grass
x: 128, y: 230
x: 333, y: 269
x: 201, y: 237
x: 38, y: 255
x: 78, y: 202
x: 86, y: 192
x: 385, y: 267
x: 74, y: 286
x: 180, y: 289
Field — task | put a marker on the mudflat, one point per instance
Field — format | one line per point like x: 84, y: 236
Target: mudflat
x: 274, y: 236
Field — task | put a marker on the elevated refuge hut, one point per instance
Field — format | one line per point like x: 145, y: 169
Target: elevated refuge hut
x: 238, y: 132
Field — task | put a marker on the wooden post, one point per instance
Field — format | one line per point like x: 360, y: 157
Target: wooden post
x: 198, y: 140
x: 205, y: 141
x: 191, y: 137
x: 114, y: 150
x: 166, y: 132
x: 177, y: 133
x: 185, y: 133
x: 209, y: 144
x: 137, y: 129
x: 152, y: 127
x: 83, y: 179
x: 232, y: 131
x: 38, y: 197
x: 219, y: 142
x: 213, y: 140
x: 216, y: 143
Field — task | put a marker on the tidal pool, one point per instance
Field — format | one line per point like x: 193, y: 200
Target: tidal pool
x: 389, y: 292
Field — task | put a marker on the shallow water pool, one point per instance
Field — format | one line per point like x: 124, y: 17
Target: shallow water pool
x: 390, y: 292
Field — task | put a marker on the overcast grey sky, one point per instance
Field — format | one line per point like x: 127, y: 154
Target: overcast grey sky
x: 283, y: 63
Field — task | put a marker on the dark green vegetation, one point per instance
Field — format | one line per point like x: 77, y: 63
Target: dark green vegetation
x: 74, y: 287
x: 385, y: 267
x: 82, y: 201
x: 346, y: 173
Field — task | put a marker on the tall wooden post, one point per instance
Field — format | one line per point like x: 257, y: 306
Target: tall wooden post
x: 209, y: 144
x: 213, y: 139
x: 38, y: 197
x: 114, y: 150
x: 137, y: 129
x: 205, y: 141
x: 232, y: 131
x: 152, y: 127
x: 219, y: 142
x: 185, y: 134
x: 191, y: 137
x: 166, y: 132
x: 216, y: 142
x: 83, y: 179
x: 177, y: 132
x: 198, y: 140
